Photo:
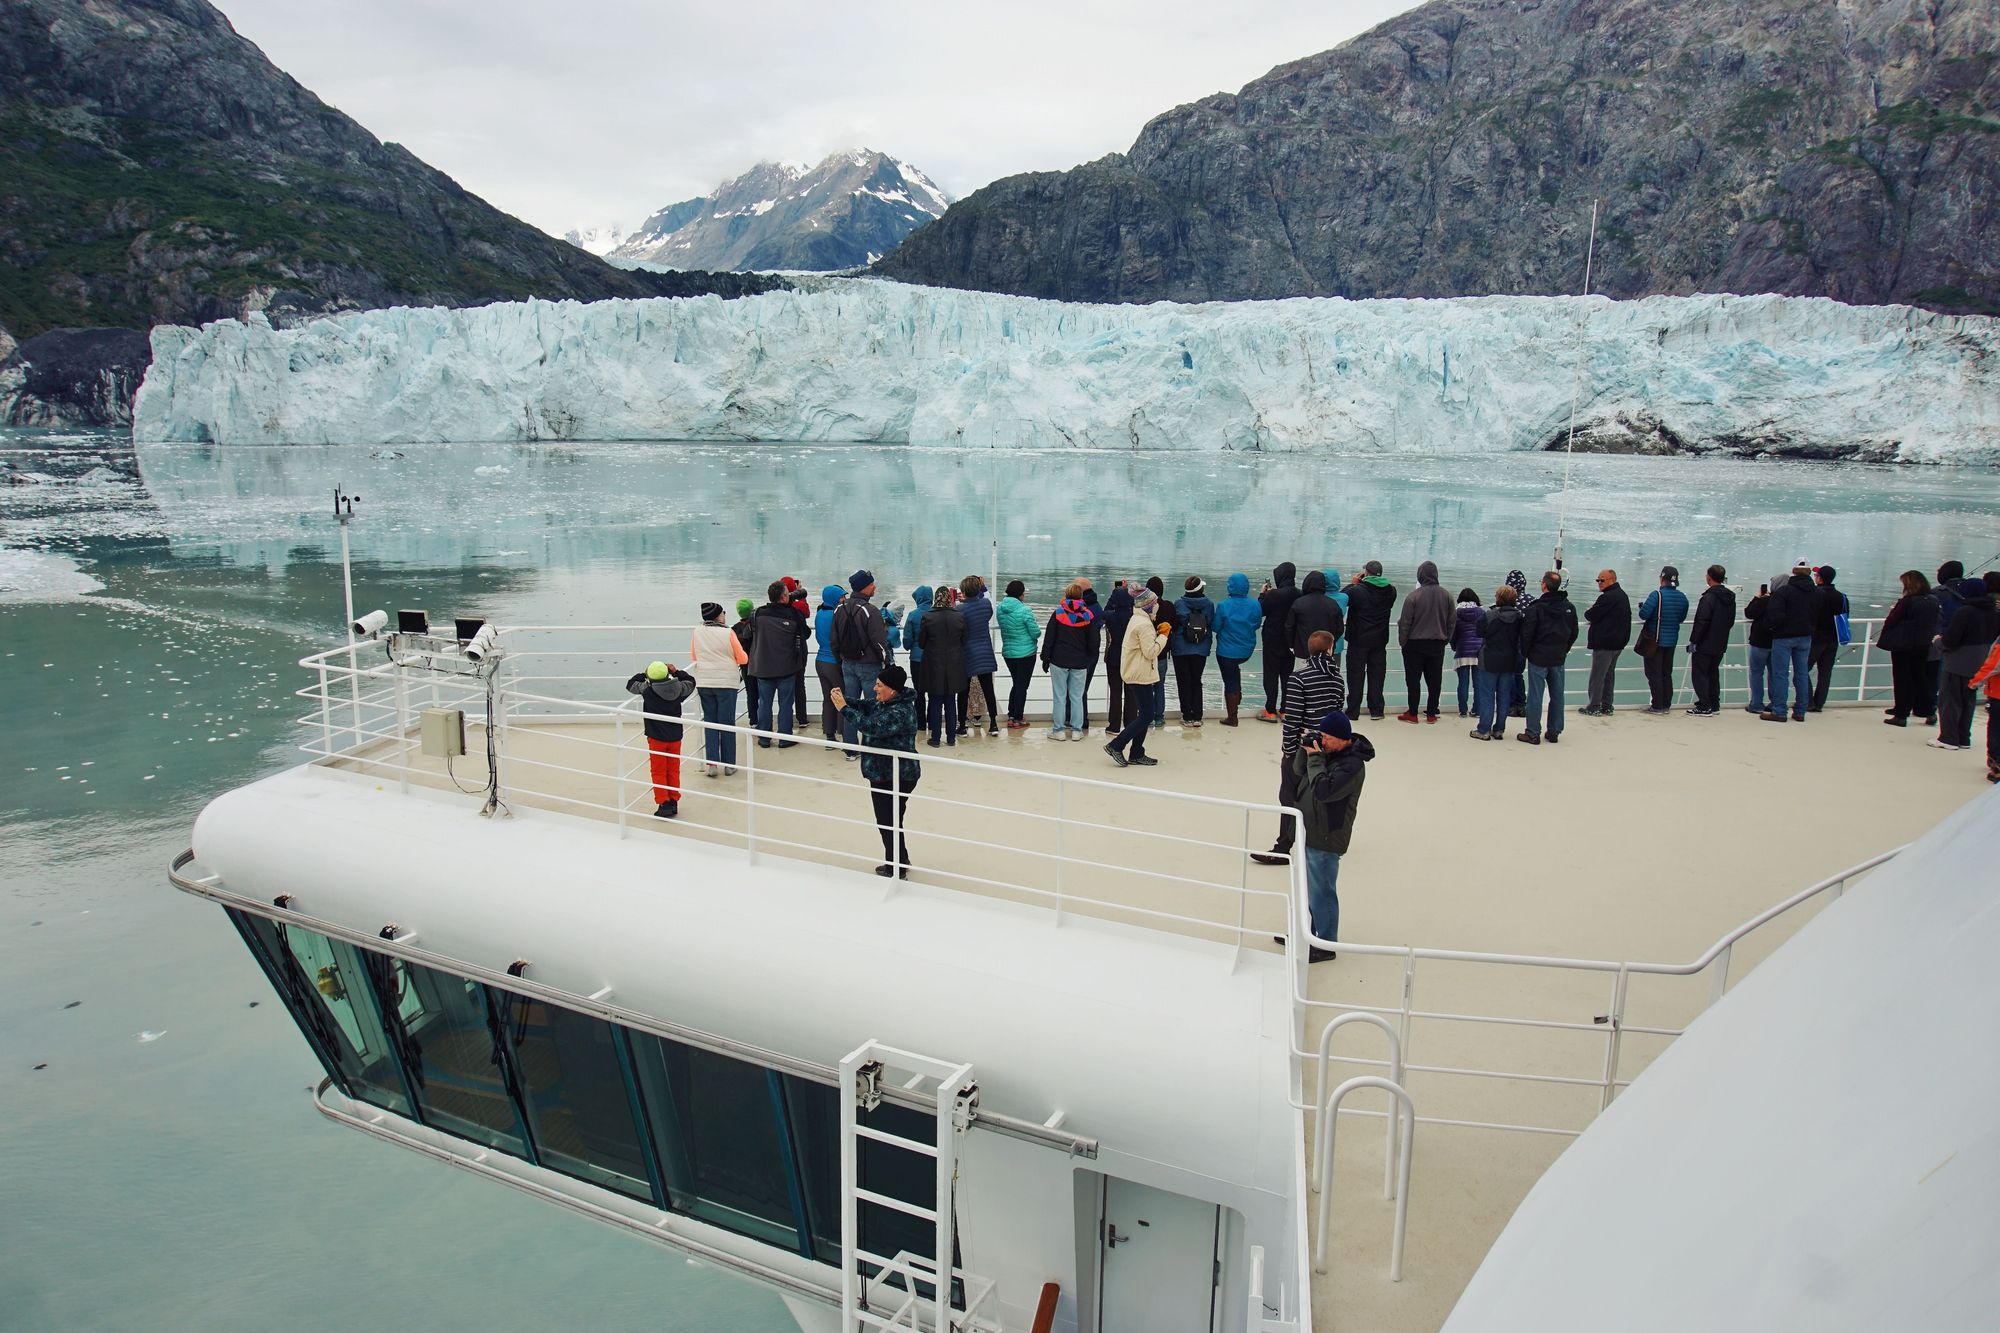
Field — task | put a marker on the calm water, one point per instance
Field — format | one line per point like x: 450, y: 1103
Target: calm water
x: 164, y: 1168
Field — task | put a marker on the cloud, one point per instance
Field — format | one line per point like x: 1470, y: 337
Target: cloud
x: 600, y: 110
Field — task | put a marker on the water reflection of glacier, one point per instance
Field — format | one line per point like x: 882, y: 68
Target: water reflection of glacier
x: 645, y: 531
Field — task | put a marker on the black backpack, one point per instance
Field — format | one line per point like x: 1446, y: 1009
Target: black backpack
x: 1194, y: 626
x: 850, y: 639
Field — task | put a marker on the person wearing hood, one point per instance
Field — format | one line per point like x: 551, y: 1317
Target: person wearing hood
x: 1423, y: 632
x: 1663, y: 612
x: 913, y: 623
x: 980, y: 664
x: 1275, y: 602
x: 887, y: 720
x: 861, y: 642
x: 1314, y: 610
x: 1465, y: 645
x: 1523, y: 599
x: 1190, y: 644
x: 717, y: 660
x: 661, y: 688
x: 1610, y: 618
x: 1789, y: 617
x: 1965, y: 644
x: 1370, y: 598
x: 1018, y: 637
x: 1069, y: 649
x: 1988, y: 677
x: 1945, y: 589
x: 1117, y: 616
x: 1145, y: 642
x: 1906, y: 635
x: 1829, y: 631
x: 1499, y: 661
x: 1331, y: 766
x: 941, y: 642
x: 1714, y: 619
x: 1338, y: 591
x: 1548, y: 632
x: 826, y: 664
x: 1236, y: 620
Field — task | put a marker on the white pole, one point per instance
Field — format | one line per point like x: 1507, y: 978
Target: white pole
x: 1576, y: 386
x: 343, y: 509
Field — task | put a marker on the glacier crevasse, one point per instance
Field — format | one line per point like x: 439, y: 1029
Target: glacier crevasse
x: 872, y: 361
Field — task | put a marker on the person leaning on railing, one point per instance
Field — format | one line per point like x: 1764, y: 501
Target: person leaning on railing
x: 718, y: 658
x: 887, y: 722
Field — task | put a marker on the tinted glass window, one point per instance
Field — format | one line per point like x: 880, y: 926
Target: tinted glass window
x: 450, y: 1046
x: 721, y: 1142
x: 573, y: 1090
x: 325, y: 984
x: 815, y: 1117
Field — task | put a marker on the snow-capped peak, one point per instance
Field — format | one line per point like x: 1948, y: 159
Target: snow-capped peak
x: 599, y: 240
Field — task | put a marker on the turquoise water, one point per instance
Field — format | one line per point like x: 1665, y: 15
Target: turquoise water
x: 164, y: 1168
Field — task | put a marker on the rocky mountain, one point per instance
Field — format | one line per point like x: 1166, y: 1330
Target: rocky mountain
x: 155, y: 168
x: 848, y: 211
x: 1845, y: 148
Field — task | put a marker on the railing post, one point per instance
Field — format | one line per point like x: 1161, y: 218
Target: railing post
x: 1616, y: 1019
x: 402, y: 727
x: 1867, y: 644
x: 747, y: 743
x: 622, y: 761
x: 1720, y: 982
x: 325, y: 715
x: 1401, y: 1106
x: 1061, y: 788
x: 895, y: 857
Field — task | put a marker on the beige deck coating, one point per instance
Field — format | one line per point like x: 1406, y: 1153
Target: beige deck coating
x: 1639, y: 838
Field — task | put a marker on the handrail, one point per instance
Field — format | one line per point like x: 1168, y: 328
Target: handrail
x: 1322, y: 1159
x: 1329, y: 1113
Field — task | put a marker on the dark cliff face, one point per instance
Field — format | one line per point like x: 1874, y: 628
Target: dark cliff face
x: 155, y: 167
x: 1803, y: 147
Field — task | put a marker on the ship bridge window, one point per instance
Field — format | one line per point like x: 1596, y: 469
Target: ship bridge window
x: 325, y: 985
x: 573, y: 1091
x: 462, y: 1072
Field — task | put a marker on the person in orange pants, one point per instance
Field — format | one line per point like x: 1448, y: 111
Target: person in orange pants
x: 662, y: 689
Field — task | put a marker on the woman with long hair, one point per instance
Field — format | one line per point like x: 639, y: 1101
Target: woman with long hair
x: 980, y: 661
x: 941, y: 638
x: 1906, y: 635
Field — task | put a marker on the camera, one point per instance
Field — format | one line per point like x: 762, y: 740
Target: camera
x: 484, y: 644
x: 372, y: 623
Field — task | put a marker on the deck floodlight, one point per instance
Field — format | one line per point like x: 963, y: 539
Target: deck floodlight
x: 371, y: 624
x: 483, y: 645
x: 413, y: 622
x: 464, y: 627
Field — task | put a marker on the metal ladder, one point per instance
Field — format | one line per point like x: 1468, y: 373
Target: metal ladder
x: 890, y: 1299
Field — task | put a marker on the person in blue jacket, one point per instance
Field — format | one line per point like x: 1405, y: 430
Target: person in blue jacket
x: 920, y: 602
x: 825, y: 665
x: 1237, y: 618
x: 1662, y: 612
x: 1193, y: 640
x: 980, y: 661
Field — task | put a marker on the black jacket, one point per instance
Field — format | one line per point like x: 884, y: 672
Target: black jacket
x: 1500, y: 627
x: 1330, y: 792
x: 1610, y: 618
x: 1828, y: 602
x: 1548, y: 629
x: 662, y: 696
x: 1790, y: 612
x: 1277, y: 606
x: 777, y: 641
x: 1115, y: 616
x: 1760, y: 628
x: 1071, y: 646
x: 1312, y: 612
x: 941, y: 634
x: 1714, y: 620
x: 1368, y: 618
x: 1911, y: 625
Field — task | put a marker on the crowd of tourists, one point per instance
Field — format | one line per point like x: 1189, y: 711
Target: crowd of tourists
x: 1509, y: 652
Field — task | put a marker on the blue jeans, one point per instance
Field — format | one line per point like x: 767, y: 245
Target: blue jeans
x: 719, y: 708
x: 1539, y: 678
x: 1791, y: 658
x: 1322, y: 901
x: 1232, y: 674
x: 1760, y: 669
x: 1066, y: 698
x: 1495, y: 693
x: 777, y: 691
x: 857, y: 681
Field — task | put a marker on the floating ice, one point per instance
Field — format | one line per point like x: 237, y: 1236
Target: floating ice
x: 42, y: 576
x: 150, y: 1035
x: 875, y: 362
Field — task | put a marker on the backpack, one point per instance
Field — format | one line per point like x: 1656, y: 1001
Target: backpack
x: 850, y: 640
x: 1843, y: 633
x: 1194, y: 626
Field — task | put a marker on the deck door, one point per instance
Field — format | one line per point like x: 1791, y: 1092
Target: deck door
x: 1160, y: 1265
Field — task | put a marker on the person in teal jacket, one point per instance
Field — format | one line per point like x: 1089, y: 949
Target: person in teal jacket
x: 825, y: 664
x: 1338, y: 591
x: 1020, y: 640
x: 920, y: 602
x: 1237, y: 618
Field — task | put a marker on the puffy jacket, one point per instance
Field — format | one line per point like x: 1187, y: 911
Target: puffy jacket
x: 1714, y: 621
x: 1989, y: 674
x: 662, y: 697
x: 1330, y: 792
x: 1465, y: 640
x: 887, y: 724
x: 1117, y: 614
x: 1070, y: 640
x: 1309, y: 692
x: 1192, y: 604
x: 1610, y: 618
x: 1500, y: 629
x: 1276, y: 604
x: 1972, y: 631
x: 1828, y: 602
x: 1790, y: 613
x: 1910, y: 625
x: 920, y: 606
x: 978, y: 613
x: 1760, y: 628
x: 716, y: 657
x: 1311, y: 612
x: 1428, y: 615
x: 778, y: 645
x: 1236, y: 620
x: 1548, y: 629
x: 1140, y: 651
x: 829, y: 601
x: 941, y: 640
x: 1665, y: 609
x: 1369, y: 601
x: 1018, y: 630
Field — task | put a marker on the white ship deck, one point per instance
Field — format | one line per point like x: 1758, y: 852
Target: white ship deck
x: 1641, y: 838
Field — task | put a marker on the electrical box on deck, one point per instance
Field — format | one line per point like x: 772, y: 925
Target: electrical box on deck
x: 443, y: 732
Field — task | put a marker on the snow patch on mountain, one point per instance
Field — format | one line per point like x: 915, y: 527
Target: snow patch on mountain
x: 599, y: 240
x: 871, y: 361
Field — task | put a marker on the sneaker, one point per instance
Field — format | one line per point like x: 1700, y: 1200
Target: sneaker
x: 1190, y: 722
x: 1145, y: 760
x: 1055, y: 733
x: 993, y: 729
x: 1588, y: 710
x: 667, y: 810
x: 729, y: 770
x: 1116, y: 757
x: 1529, y: 738
x: 1016, y: 723
x: 1431, y: 717
x: 1375, y: 717
x: 1406, y: 717
x: 1076, y: 735
x: 1937, y: 744
x: 1479, y: 735
x: 1266, y: 715
x: 1657, y: 708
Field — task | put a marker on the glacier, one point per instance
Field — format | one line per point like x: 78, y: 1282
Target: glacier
x: 870, y: 361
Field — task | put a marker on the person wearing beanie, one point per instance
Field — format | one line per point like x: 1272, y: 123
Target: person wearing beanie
x: 1369, y: 601
x: 744, y: 629
x: 1423, y: 632
x: 1069, y: 648
x: 1829, y: 633
x: 1789, y: 618
x: 1331, y: 766
x: 661, y: 688
x: 1019, y: 637
x: 1237, y: 619
x: 826, y: 667
x: 860, y: 643
x: 1312, y: 690
x: 1662, y: 613
x: 886, y: 720
x: 717, y: 658
x: 1192, y: 640
x: 1139, y: 655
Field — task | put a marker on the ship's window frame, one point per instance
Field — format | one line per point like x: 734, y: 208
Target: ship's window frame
x: 577, y: 1089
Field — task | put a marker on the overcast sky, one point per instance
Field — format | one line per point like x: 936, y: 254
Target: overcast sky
x: 588, y: 112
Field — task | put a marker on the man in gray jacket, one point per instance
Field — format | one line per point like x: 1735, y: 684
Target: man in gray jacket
x: 1423, y: 631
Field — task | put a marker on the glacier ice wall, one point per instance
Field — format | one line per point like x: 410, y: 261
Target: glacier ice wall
x: 871, y: 361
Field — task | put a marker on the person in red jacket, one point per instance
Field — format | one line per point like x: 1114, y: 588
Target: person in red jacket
x: 1989, y: 677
